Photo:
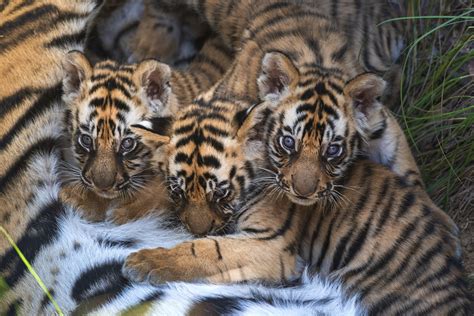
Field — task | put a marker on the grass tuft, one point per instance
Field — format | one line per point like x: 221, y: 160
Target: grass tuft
x: 437, y: 106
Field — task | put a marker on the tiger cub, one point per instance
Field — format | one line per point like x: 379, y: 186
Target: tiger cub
x: 351, y: 220
x: 131, y: 30
x: 109, y: 167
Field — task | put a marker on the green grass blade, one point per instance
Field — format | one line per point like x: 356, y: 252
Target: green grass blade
x: 32, y: 270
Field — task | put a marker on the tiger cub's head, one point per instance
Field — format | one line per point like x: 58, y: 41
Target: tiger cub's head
x: 315, y: 123
x: 208, y: 174
x: 105, y: 153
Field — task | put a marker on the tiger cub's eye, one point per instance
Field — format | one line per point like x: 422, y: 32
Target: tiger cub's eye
x: 85, y: 141
x: 127, y: 145
x: 334, y: 151
x: 288, y: 143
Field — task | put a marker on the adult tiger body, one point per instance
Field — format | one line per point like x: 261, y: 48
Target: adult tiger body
x: 75, y: 259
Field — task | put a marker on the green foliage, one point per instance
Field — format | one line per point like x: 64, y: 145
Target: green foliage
x: 437, y: 101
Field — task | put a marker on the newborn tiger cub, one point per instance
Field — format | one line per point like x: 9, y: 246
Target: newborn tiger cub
x: 351, y: 220
x: 109, y: 167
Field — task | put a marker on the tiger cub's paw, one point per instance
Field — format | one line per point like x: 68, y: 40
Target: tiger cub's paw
x: 153, y: 266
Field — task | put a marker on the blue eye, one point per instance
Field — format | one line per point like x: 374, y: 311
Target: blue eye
x: 127, y: 145
x: 85, y: 141
x: 334, y: 150
x: 288, y: 143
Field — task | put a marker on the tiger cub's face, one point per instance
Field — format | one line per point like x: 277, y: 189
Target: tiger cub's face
x: 207, y: 170
x: 105, y: 102
x: 314, y: 126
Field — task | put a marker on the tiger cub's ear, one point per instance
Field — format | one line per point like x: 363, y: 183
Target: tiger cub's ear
x: 153, y: 79
x: 249, y: 123
x: 278, y: 75
x: 77, y: 69
x: 365, y: 91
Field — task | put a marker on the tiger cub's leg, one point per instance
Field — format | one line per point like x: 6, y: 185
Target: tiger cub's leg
x: 265, y: 250
x: 388, y: 146
x: 214, y: 259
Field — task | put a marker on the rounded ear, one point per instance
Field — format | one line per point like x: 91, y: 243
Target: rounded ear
x: 77, y: 69
x: 153, y: 78
x: 365, y: 90
x: 278, y: 74
x: 246, y: 121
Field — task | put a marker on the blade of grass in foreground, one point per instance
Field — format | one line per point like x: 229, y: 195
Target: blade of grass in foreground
x: 32, y: 271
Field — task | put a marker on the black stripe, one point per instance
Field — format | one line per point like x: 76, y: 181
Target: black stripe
x: 383, y: 304
x: 286, y: 225
x: 307, y: 94
x: 218, y: 250
x: 37, y: 14
x: 251, y: 230
x: 40, y: 232
x: 121, y: 105
x: 209, y: 161
x: 324, y: 248
x: 111, y: 84
x: 203, y: 59
x: 153, y: 296
x: 215, y: 130
x: 12, y: 308
x: 379, y: 132
x: 315, y: 236
x: 338, y: 55
x: 46, y: 25
x: 44, y: 147
x: 184, y: 129
x: 106, y: 275
x: 214, y: 306
x: 217, y: 145
x: 63, y: 41
x: 182, y: 158
x: 48, y: 99
x: 306, y: 107
x: 387, y: 256
x: 8, y: 103
x: 408, y: 201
